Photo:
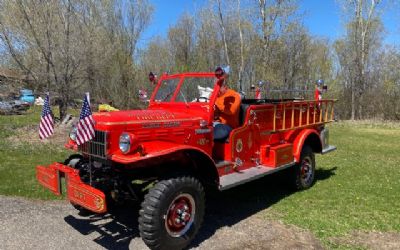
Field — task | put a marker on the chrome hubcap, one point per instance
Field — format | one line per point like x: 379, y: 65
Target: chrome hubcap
x: 180, y: 215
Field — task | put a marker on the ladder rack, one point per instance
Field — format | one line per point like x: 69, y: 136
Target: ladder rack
x: 298, y: 114
x: 289, y: 115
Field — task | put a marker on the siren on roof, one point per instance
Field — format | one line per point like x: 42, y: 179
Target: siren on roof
x: 152, y: 77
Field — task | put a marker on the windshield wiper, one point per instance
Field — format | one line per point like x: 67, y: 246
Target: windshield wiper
x: 184, y: 98
x: 168, y: 95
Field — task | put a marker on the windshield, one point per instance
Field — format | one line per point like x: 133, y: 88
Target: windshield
x: 166, y: 90
x: 193, y: 89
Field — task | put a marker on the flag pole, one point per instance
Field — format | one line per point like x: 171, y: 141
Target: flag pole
x: 90, y: 156
x: 88, y: 97
x: 85, y: 131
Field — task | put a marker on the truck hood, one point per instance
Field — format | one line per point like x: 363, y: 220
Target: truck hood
x: 140, y: 117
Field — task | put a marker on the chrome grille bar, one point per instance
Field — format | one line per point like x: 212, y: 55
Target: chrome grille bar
x: 97, y: 147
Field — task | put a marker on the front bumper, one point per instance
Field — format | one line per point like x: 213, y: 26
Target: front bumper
x: 77, y: 192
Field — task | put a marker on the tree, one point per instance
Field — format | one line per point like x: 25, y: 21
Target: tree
x: 363, y: 38
x: 272, y: 14
x: 76, y: 45
x: 222, y: 26
x: 45, y: 31
x: 181, y: 39
x: 241, y: 67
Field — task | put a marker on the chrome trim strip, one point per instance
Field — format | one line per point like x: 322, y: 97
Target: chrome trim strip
x: 96, y: 147
x: 222, y: 164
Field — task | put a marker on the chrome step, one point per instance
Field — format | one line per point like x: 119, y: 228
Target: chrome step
x: 222, y: 164
x: 238, y: 178
x: 328, y: 149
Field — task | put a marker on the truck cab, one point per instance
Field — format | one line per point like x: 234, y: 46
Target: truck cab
x: 165, y: 156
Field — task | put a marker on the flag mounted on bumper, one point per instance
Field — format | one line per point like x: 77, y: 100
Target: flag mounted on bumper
x: 85, y: 127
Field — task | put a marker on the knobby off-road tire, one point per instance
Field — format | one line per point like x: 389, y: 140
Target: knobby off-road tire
x: 172, y: 213
x: 304, y: 171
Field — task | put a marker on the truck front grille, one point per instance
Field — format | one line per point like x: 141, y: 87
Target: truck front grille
x: 97, y: 147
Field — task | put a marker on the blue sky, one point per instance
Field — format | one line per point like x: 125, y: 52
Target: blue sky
x: 322, y: 18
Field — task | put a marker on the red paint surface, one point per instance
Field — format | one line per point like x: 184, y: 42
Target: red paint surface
x: 167, y: 127
x: 77, y: 191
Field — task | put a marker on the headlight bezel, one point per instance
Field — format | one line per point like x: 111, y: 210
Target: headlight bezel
x: 125, y: 143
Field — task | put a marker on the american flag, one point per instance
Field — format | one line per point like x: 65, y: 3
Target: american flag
x: 46, y: 126
x: 85, y: 129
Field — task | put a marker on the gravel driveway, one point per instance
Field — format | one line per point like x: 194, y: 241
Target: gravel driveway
x: 31, y: 224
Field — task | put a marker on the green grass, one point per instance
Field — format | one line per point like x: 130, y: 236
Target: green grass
x: 359, y: 186
x: 17, y: 163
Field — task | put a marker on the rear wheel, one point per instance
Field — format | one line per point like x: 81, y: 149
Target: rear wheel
x: 172, y: 213
x: 304, y: 171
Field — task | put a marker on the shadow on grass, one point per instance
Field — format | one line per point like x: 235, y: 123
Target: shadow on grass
x: 227, y: 208
x: 323, y: 174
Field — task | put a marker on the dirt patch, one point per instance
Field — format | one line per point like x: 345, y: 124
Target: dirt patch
x: 31, y: 224
x: 371, y: 240
x: 256, y: 232
x: 30, y: 135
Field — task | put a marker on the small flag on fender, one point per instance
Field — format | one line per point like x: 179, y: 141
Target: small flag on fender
x: 85, y: 128
x: 46, y: 126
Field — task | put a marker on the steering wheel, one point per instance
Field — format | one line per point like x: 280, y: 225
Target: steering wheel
x: 204, y: 98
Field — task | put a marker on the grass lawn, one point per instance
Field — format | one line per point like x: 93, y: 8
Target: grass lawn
x: 17, y: 162
x: 357, y: 188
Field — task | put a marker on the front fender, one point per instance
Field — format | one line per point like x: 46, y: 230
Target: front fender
x: 312, y: 137
x: 154, y: 149
x: 158, y: 152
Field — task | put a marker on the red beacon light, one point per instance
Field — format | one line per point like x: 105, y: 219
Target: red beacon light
x: 222, y: 72
x: 152, y: 78
x: 219, y: 72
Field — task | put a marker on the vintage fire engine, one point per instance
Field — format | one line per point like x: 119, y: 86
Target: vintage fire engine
x: 165, y: 156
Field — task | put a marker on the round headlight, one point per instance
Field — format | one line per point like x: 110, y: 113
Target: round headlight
x: 125, y: 143
x: 72, y: 134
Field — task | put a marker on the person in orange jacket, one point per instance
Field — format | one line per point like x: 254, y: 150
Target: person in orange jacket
x: 226, y: 114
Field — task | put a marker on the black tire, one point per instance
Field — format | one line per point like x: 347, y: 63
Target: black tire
x: 172, y: 213
x: 304, y: 171
x: 72, y: 160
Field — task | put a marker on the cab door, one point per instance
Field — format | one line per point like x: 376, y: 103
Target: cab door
x: 244, y: 143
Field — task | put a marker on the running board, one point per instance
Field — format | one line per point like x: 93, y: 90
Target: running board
x: 222, y: 164
x: 328, y: 149
x: 238, y: 178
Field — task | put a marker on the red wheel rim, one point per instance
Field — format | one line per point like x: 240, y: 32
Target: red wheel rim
x: 180, y: 215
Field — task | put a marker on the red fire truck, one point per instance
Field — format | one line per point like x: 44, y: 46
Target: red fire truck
x: 165, y: 156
